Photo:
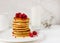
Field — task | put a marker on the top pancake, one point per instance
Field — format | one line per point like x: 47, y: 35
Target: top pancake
x: 17, y: 20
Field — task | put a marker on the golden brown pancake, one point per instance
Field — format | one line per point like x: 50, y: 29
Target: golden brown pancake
x: 20, y: 20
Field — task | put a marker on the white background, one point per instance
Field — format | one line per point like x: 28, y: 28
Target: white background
x: 13, y: 6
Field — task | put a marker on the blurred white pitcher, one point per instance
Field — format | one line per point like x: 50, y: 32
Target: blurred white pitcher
x: 4, y: 21
x: 36, y: 11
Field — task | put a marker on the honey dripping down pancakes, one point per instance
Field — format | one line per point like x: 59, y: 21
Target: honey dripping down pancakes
x: 21, y: 25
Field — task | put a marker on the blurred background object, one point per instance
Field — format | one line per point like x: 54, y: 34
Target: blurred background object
x: 47, y: 22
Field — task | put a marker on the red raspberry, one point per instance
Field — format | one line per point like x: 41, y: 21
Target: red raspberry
x: 20, y: 15
x: 17, y: 15
x: 24, y: 16
x: 34, y: 33
x: 30, y: 34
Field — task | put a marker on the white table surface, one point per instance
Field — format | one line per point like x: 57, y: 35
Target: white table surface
x: 52, y: 35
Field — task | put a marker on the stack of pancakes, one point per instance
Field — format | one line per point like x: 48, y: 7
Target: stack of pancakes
x: 21, y: 27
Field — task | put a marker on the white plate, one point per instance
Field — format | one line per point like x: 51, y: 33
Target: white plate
x: 7, y: 37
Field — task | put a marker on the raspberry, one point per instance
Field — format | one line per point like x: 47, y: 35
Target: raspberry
x: 20, y: 15
x: 24, y: 16
x: 17, y: 15
x: 34, y: 33
x: 30, y: 34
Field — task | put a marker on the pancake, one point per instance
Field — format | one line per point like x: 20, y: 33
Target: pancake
x: 20, y: 26
x: 20, y: 23
x: 21, y: 30
x: 21, y: 36
x: 20, y: 20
